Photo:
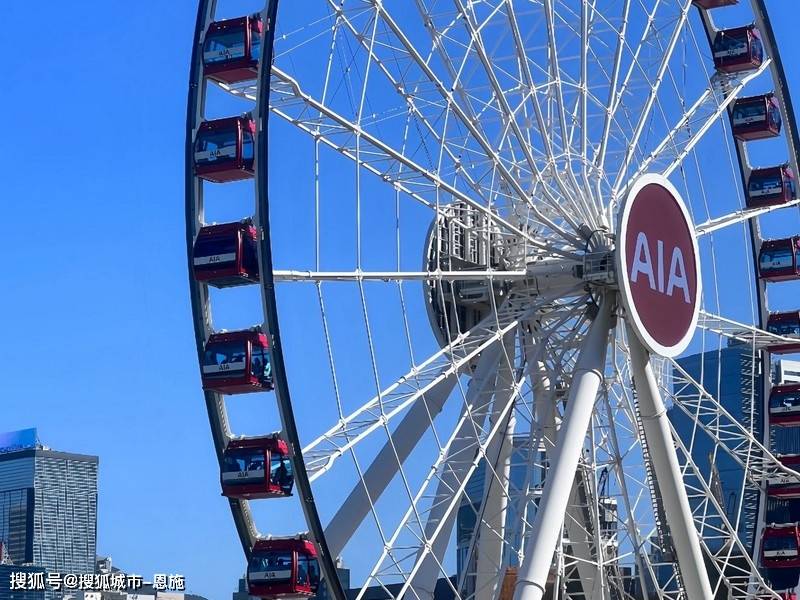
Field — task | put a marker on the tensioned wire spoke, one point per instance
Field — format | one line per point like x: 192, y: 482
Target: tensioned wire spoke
x: 457, y: 110
x: 321, y: 454
x: 739, y: 216
x: 480, y: 446
x: 740, y: 580
x: 644, y: 116
x: 717, y: 88
x: 527, y: 79
x: 509, y: 115
x: 757, y: 337
x: 758, y: 463
x: 292, y: 103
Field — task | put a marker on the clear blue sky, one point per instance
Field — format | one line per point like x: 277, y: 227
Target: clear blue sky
x: 99, y: 347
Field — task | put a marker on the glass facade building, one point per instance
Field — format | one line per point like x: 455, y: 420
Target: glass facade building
x: 733, y: 377
x: 48, y: 509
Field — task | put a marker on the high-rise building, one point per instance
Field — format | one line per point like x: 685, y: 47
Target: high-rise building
x: 470, y: 509
x: 732, y: 376
x: 48, y: 505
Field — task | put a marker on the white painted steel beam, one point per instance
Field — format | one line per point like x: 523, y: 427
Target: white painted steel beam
x: 547, y: 527
x: 668, y: 474
x: 386, y: 464
x: 576, y: 524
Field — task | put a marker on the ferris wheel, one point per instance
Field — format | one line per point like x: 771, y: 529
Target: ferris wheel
x: 499, y: 292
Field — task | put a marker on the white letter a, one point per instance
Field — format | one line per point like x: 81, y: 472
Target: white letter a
x: 642, y: 262
x: 677, y: 275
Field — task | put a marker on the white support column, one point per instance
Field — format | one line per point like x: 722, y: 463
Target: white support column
x: 576, y: 513
x: 668, y: 474
x: 548, y: 525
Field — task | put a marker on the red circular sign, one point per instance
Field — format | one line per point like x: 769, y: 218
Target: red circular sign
x: 658, y: 266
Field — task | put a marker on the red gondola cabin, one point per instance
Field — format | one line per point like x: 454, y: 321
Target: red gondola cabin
x: 707, y: 4
x: 784, y: 405
x: 771, y: 187
x: 738, y: 49
x: 224, y: 150
x: 779, y: 546
x: 226, y: 255
x: 756, y: 117
x: 777, y: 259
x: 283, y: 568
x: 232, y: 49
x: 784, y: 486
x: 237, y: 362
x: 254, y: 468
x: 786, y: 325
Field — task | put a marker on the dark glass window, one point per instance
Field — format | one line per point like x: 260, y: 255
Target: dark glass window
x: 281, y: 472
x: 255, y: 45
x: 787, y: 400
x: 214, y: 146
x: 748, y: 111
x: 223, y: 46
x: 243, y: 467
x: 212, y: 250
x: 260, y: 365
x: 776, y: 258
x: 248, y: 146
x: 269, y: 566
x: 763, y: 186
x: 781, y: 542
x: 731, y: 45
x: 224, y: 360
x: 786, y: 328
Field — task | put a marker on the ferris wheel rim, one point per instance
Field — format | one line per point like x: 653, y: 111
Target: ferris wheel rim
x: 269, y: 284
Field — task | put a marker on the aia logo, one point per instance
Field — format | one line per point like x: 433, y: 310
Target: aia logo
x: 643, y: 266
x: 658, y: 266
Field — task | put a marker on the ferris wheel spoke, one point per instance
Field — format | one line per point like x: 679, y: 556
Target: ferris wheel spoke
x: 509, y: 114
x: 453, y: 468
x: 488, y: 398
x: 447, y: 363
x: 413, y: 99
x: 357, y: 275
x: 457, y: 110
x: 643, y: 118
x: 315, y: 118
x: 739, y: 216
x: 555, y: 70
x: 728, y: 328
x: 695, y: 123
x: 389, y: 460
x: 618, y: 91
x: 711, y: 520
x: 759, y: 464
